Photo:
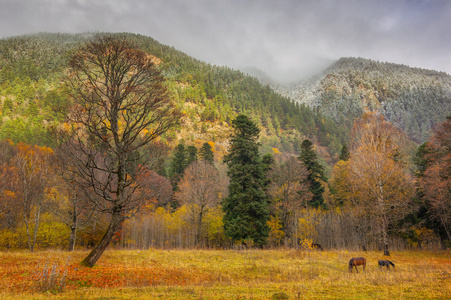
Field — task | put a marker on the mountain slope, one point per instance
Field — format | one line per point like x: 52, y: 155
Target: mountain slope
x: 410, y: 98
x: 32, y: 96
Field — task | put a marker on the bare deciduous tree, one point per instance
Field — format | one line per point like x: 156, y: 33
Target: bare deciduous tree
x: 288, y: 192
x: 72, y: 207
x: 32, y: 164
x: 200, y: 190
x: 121, y: 105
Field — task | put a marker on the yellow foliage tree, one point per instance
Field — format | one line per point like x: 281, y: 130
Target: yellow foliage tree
x: 378, y: 172
x: 215, y: 226
x: 276, y: 234
x: 32, y: 167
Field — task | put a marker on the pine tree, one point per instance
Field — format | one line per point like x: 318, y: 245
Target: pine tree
x: 191, y: 155
x: 178, y: 164
x: 206, y: 153
x: 315, y: 173
x: 344, y: 155
x: 267, y: 165
x: 246, y: 208
x: 420, y: 160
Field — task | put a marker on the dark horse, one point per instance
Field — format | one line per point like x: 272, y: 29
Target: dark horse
x: 385, y: 263
x: 316, y: 246
x: 357, y: 261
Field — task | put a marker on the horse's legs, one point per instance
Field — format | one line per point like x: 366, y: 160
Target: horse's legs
x: 356, y: 270
x: 364, y: 265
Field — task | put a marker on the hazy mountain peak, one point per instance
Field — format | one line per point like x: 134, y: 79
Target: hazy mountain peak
x: 411, y: 98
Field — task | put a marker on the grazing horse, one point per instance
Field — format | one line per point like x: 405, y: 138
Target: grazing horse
x: 316, y: 246
x: 357, y: 261
x: 385, y: 263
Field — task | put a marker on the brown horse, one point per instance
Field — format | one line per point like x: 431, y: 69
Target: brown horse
x: 357, y: 261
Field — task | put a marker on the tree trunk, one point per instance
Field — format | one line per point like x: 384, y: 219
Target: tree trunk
x: 73, y: 230
x: 115, y: 225
x: 27, y: 229
x: 384, y: 235
x: 26, y: 218
x: 386, y: 252
x: 445, y: 226
x: 72, y: 238
x: 198, y: 236
x: 383, y: 216
x: 36, y: 226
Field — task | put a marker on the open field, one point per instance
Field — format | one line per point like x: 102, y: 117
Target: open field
x: 227, y: 274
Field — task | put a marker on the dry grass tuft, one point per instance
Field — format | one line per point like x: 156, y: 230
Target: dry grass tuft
x: 52, y: 278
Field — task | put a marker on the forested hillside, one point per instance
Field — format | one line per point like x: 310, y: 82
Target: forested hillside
x: 410, y: 98
x: 32, y: 96
x: 173, y: 152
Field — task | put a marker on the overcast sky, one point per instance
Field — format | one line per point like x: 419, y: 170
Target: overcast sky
x: 284, y: 38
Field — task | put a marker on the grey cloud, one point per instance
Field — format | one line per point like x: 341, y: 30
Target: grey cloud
x: 287, y: 38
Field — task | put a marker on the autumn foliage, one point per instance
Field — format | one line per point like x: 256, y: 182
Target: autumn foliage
x: 436, y: 179
x: 109, y: 170
x: 28, y: 273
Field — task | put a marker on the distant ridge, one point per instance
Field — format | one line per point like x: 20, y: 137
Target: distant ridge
x: 413, y: 99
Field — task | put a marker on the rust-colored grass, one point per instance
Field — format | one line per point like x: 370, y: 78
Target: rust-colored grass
x: 228, y: 274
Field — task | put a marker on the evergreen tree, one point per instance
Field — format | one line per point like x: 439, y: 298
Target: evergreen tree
x: 246, y: 208
x: 422, y: 215
x: 296, y: 145
x: 32, y: 110
x: 267, y: 165
x: 315, y: 173
x: 191, y: 155
x: 8, y: 107
x: 206, y: 153
x: 178, y: 164
x: 344, y: 155
x: 420, y: 160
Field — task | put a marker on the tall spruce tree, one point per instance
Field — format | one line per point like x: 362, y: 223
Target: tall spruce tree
x: 246, y: 208
x: 178, y: 164
x: 191, y: 155
x: 315, y: 171
x: 206, y: 153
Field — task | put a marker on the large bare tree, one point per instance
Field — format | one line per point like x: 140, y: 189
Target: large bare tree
x: 121, y: 105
